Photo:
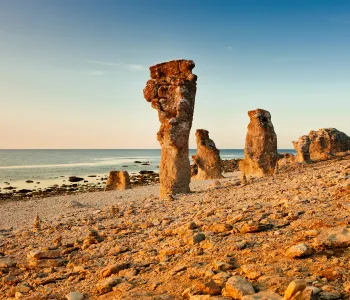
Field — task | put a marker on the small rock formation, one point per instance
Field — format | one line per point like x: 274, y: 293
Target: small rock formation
x: 36, y: 224
x: 260, y: 152
x: 172, y: 90
x: 208, y: 157
x: 114, y: 209
x: 118, y: 180
x: 326, y: 142
x: 92, y: 238
x: 302, y: 147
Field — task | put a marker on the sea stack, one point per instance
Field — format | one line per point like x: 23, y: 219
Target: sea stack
x: 172, y: 90
x: 302, y: 147
x: 118, y: 180
x: 260, y: 152
x: 207, y: 158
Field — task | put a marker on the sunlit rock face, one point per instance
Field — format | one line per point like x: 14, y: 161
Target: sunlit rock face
x: 260, y: 152
x: 171, y: 91
x: 207, y: 158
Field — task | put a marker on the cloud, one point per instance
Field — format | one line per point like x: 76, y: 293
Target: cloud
x: 103, y: 63
x: 136, y: 67
x: 130, y: 67
x: 95, y: 73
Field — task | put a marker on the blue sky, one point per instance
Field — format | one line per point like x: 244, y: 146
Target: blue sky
x: 72, y: 72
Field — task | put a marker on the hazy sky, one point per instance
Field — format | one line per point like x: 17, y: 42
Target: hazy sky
x: 72, y: 72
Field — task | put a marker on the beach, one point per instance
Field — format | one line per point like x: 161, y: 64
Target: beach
x: 147, y: 248
x: 43, y: 173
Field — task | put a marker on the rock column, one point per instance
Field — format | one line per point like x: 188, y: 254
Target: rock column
x: 171, y: 91
x: 207, y: 158
x: 260, y: 152
x: 118, y: 180
x: 302, y: 147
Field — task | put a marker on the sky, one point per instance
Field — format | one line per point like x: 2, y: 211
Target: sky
x: 72, y: 72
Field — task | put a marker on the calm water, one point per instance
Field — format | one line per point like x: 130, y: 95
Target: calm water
x: 40, y: 165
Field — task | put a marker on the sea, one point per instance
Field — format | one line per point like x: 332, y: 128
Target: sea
x: 49, y: 167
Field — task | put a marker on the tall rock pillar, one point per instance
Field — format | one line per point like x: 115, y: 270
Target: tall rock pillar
x: 172, y: 90
x: 207, y: 158
x: 260, y: 152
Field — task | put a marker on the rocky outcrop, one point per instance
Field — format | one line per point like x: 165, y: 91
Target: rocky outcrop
x: 302, y: 147
x: 207, y: 158
x: 326, y: 142
x: 118, y: 180
x: 172, y: 90
x: 260, y: 152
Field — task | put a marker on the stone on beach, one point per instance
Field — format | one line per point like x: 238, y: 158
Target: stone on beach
x: 298, y: 251
x: 260, y: 151
x: 207, y: 158
x: 118, y: 180
x: 295, y: 287
x: 172, y: 90
x: 75, y: 296
x: 237, y: 287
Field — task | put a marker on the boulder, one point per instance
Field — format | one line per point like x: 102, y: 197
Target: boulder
x: 75, y: 179
x: 326, y: 142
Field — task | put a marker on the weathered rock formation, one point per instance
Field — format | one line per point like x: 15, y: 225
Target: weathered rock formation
x: 286, y: 160
x: 172, y: 90
x: 326, y: 142
x: 207, y: 158
x: 302, y: 147
x: 118, y: 180
x: 260, y: 152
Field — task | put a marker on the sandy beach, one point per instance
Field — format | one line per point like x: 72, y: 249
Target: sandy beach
x: 271, y: 232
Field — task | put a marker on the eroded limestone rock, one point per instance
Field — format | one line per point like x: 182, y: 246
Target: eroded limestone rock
x: 208, y: 157
x: 172, y: 90
x: 118, y: 180
x: 302, y: 147
x: 260, y: 152
x: 326, y: 142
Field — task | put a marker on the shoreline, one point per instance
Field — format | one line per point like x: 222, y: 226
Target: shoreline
x: 82, y: 203
x: 86, y: 184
